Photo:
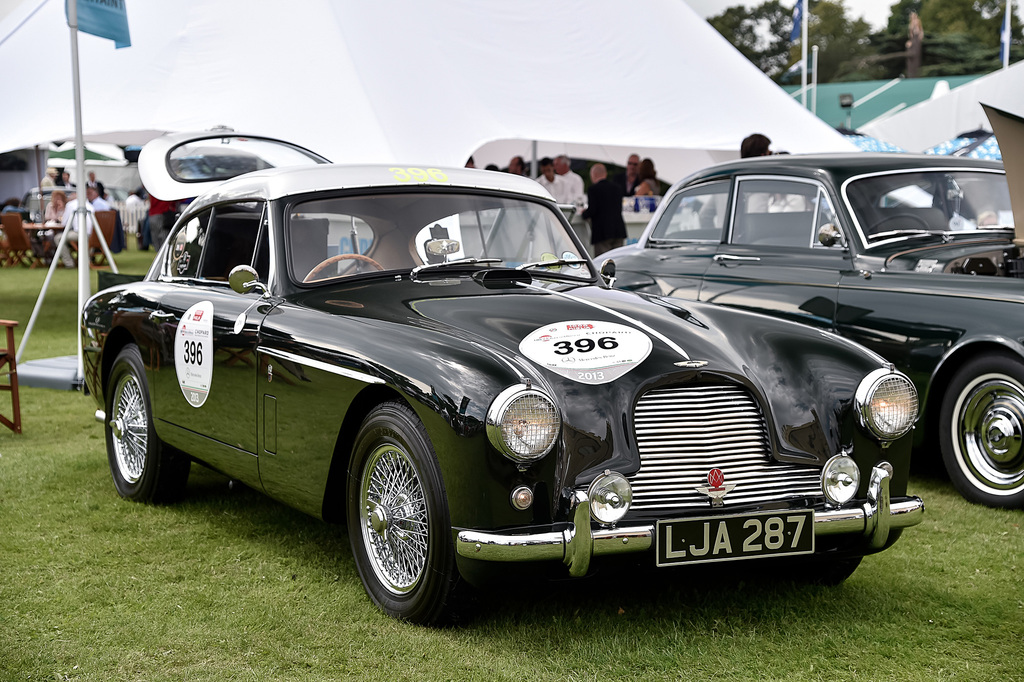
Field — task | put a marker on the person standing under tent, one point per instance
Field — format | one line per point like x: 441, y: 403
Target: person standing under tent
x: 604, y: 210
x: 628, y: 180
x: 577, y: 195
x: 553, y: 183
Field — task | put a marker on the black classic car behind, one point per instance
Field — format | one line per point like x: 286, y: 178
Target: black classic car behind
x: 912, y: 256
x: 428, y: 356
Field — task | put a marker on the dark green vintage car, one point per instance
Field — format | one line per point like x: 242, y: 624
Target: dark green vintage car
x: 429, y: 356
x: 912, y: 256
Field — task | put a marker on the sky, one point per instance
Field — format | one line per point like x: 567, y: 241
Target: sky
x: 875, y: 12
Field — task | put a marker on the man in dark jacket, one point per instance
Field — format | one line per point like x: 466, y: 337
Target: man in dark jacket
x: 604, y: 210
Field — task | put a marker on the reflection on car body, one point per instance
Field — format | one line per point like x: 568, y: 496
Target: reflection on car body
x: 912, y: 256
x: 428, y: 356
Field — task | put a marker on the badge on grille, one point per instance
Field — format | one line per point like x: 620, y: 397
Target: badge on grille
x: 717, y: 488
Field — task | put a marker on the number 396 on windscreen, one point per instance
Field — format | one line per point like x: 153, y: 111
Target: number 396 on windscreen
x: 722, y: 538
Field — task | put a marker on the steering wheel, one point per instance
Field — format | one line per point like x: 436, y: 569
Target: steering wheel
x: 334, y: 259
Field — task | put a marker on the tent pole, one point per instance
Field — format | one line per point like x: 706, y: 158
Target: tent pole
x: 82, y: 214
x: 533, y: 164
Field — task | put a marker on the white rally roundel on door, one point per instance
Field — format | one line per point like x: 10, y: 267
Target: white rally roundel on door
x: 193, y: 353
x: 587, y: 351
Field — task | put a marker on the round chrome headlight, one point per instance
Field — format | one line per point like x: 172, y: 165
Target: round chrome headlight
x: 840, y: 479
x: 523, y: 424
x: 886, y: 403
x: 610, y: 496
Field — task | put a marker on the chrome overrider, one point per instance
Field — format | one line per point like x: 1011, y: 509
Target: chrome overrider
x: 578, y: 543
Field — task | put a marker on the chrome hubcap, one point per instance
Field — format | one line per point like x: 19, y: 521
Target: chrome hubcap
x: 394, y: 523
x: 129, y: 428
x: 990, y: 416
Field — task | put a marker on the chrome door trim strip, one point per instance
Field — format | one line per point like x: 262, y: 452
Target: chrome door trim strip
x: 317, y: 364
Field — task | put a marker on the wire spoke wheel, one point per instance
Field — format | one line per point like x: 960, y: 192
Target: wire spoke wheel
x: 143, y: 469
x: 130, y: 428
x: 398, y: 520
x: 395, y: 523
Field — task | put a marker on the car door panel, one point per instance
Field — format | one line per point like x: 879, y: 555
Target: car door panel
x: 225, y: 418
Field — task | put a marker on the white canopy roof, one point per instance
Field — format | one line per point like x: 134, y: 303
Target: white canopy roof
x: 407, y: 81
x: 934, y: 121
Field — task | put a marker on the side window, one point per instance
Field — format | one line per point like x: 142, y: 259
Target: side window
x: 775, y: 213
x: 697, y: 213
x: 231, y: 239
x: 187, y: 247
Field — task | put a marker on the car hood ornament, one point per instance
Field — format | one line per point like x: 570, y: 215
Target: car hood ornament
x: 717, y: 488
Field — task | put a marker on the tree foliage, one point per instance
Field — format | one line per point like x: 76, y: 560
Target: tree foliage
x: 761, y: 34
x: 960, y: 37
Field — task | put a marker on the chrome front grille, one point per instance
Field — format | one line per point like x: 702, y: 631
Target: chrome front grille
x: 684, y: 432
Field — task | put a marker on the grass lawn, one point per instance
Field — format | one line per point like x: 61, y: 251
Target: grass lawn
x: 229, y: 585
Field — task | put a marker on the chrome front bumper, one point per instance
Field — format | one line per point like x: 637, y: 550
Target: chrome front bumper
x: 578, y: 543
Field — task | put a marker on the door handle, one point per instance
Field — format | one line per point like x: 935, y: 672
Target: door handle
x: 729, y: 258
x: 159, y: 316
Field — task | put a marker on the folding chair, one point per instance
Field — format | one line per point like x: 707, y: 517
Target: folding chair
x: 9, y: 368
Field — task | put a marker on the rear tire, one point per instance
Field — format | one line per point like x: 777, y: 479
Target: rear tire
x: 143, y: 468
x: 981, y: 431
x: 398, y: 519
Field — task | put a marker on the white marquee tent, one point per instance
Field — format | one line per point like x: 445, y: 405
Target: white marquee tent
x: 943, y: 118
x: 407, y: 81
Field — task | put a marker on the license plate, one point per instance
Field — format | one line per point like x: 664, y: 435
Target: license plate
x: 728, y: 538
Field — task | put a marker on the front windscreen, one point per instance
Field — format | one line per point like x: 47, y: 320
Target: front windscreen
x: 895, y: 204
x: 353, y: 235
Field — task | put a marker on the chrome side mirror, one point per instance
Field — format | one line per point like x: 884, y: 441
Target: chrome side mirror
x: 608, y: 271
x: 829, y: 235
x: 568, y: 210
x: 242, y: 279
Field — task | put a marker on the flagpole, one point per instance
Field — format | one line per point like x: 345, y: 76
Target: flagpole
x: 803, y: 53
x: 81, y: 214
x: 814, y: 79
x: 1005, y: 38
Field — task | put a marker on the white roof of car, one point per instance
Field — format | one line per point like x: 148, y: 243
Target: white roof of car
x: 275, y: 183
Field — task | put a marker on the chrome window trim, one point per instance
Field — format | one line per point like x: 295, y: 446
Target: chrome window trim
x: 163, y: 257
x: 843, y: 191
x: 659, y: 212
x: 785, y: 178
x: 317, y: 364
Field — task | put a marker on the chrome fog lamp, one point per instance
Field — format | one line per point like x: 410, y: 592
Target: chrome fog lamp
x: 523, y: 424
x: 840, y: 479
x: 522, y: 498
x: 886, y: 403
x: 610, y: 496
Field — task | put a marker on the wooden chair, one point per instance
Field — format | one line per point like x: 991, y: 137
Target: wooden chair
x: 107, y: 221
x: 9, y: 368
x: 17, y: 247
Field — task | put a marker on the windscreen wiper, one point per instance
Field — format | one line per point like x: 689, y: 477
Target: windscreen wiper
x: 557, y: 262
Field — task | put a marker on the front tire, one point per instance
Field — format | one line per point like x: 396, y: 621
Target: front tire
x: 398, y: 519
x: 143, y: 468
x: 982, y: 431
